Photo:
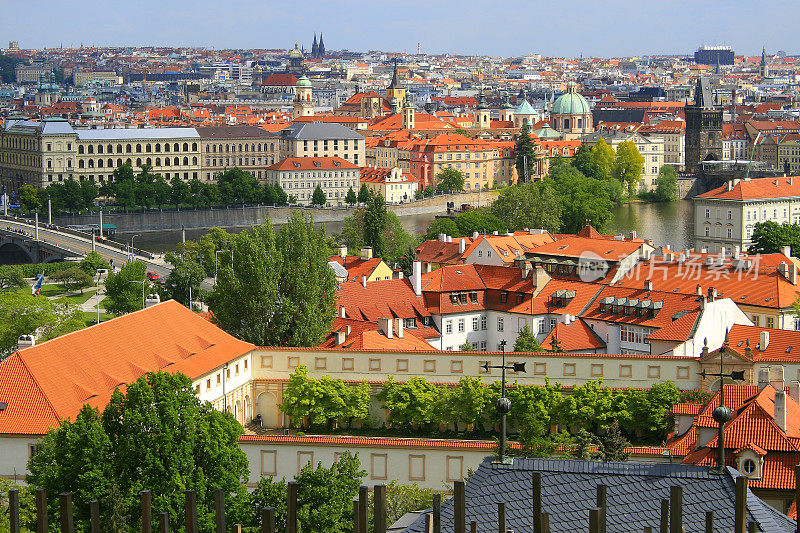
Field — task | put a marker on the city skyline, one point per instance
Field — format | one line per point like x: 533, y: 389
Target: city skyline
x: 583, y: 28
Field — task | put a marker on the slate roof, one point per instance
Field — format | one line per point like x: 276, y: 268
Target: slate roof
x: 635, y: 491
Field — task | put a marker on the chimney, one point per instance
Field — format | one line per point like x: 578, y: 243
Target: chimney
x: 793, y: 274
x: 462, y: 245
x: 780, y: 409
x: 763, y: 342
x: 151, y: 300
x: 794, y: 390
x: 398, y: 274
x: 712, y: 294
x: 342, y: 251
x: 385, y: 325
x: 730, y: 185
x: 442, y: 237
x: 782, y: 270
x: 786, y: 250
x: 25, y: 341
x: 366, y: 253
x: 416, y: 271
x: 776, y: 379
x: 475, y: 234
x: 633, y: 235
x: 698, y: 290
x: 342, y: 312
x: 648, y: 285
x: 737, y: 251
x: 682, y: 258
x: 398, y: 327
x: 763, y: 377
x: 495, y: 233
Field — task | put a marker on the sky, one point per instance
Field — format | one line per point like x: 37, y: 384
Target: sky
x: 609, y: 28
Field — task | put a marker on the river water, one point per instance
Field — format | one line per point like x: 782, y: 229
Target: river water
x: 666, y: 223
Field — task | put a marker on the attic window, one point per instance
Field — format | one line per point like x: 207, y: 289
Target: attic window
x: 740, y: 343
x: 788, y: 349
x: 337, y: 163
x: 458, y: 272
x: 562, y: 246
x: 297, y: 165
x: 317, y: 164
x: 3, y: 406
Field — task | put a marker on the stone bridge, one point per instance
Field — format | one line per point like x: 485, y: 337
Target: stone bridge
x: 18, y: 248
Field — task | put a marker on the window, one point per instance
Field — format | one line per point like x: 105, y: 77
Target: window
x: 456, y: 367
x: 475, y: 323
x: 756, y: 320
x: 448, y: 326
x: 455, y: 468
x: 304, y: 458
x: 219, y: 379
x: 33, y: 449
x: 770, y: 322
x: 293, y: 362
x: 269, y: 462
x: 483, y: 322
x: 375, y: 365
x: 569, y: 369
x: 402, y: 365
x: 410, y: 322
x: 682, y: 372
x: 540, y: 369
x: 597, y: 370
x: 499, y: 324
x: 347, y: 363
x: 320, y: 363
x: 503, y: 297
x: 749, y: 467
x: 625, y: 371
x: 461, y: 325
x: 429, y: 365
x: 483, y: 344
x: 416, y: 468
x: 208, y: 384
x: 378, y: 465
x: 654, y: 372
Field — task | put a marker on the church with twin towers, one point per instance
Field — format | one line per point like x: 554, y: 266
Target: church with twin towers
x: 318, y: 48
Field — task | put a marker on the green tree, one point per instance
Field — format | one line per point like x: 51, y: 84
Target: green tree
x: 628, y: 166
x: 324, y: 400
x: 325, y: 495
x: 237, y: 186
x: 92, y: 263
x: 72, y: 195
x: 12, y: 278
x: 480, y: 220
x: 72, y: 279
x: 442, y: 225
x: 23, y: 314
x: 375, y: 219
x: 450, y: 180
x: 412, y: 402
x: 529, y: 205
x: 583, y: 200
x: 185, y: 277
x: 526, y: 341
x: 612, y: 444
x: 467, y: 347
x: 467, y: 402
x: 318, y: 198
x: 770, y: 237
x: 364, y: 194
x: 269, y: 493
x: 666, y: 184
x: 28, y: 199
x: 603, y: 157
x: 124, y: 289
x: 350, y: 198
x: 27, y: 505
x: 525, y: 154
x: 89, y: 193
x: 404, y: 498
x: 179, y: 191
x: 279, y: 290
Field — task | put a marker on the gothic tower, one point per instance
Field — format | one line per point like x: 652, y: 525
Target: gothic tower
x: 764, y: 70
x: 321, y: 47
x: 395, y: 90
x: 408, y: 115
x: 482, y: 114
x: 703, y: 128
x: 314, y: 47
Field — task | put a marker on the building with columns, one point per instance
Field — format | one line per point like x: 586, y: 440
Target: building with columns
x: 571, y: 114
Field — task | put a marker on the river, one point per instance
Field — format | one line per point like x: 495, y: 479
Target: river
x: 665, y: 223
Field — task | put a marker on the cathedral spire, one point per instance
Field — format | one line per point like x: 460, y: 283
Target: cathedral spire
x: 321, y: 47
x: 314, y: 46
x: 395, y: 84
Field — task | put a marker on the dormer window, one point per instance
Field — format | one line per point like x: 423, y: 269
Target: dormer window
x: 503, y: 297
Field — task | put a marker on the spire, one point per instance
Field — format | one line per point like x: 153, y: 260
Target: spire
x: 321, y: 47
x: 314, y: 46
x: 394, y: 84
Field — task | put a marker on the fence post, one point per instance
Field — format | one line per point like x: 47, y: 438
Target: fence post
x: 13, y: 510
x: 594, y: 521
x: 219, y: 505
x: 163, y: 523
x: 379, y: 508
x: 537, y: 503
x: 710, y: 522
x: 437, y: 513
x: 291, y: 507
x: 65, y: 512
x: 191, y: 511
x: 268, y: 520
x: 602, y: 501
x: 356, y: 512
x: 459, y: 507
x: 363, y: 519
x: 94, y: 514
x: 41, y: 511
x: 545, y: 522
x: 664, y: 522
x: 147, y: 512
x: 676, y: 509
x: 501, y: 517
x: 740, y: 515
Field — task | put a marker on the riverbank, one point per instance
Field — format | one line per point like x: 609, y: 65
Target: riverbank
x: 157, y: 220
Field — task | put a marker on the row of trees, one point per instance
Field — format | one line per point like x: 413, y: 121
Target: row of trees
x: 419, y: 404
x: 770, y: 237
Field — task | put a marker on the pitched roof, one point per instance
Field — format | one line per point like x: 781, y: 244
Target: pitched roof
x: 574, y: 337
x: 51, y: 381
x: 756, y: 189
x: 312, y: 163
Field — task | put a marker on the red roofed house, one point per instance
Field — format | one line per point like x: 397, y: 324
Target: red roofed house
x: 362, y: 268
x: 299, y: 176
x: 395, y: 186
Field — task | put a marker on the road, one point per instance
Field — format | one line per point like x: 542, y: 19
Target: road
x: 83, y: 245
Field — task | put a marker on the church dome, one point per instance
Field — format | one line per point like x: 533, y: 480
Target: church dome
x: 303, y: 82
x: 296, y: 53
x: 570, y: 103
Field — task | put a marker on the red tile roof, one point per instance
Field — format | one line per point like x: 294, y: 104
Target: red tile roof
x: 312, y: 163
x: 757, y: 189
x: 574, y: 337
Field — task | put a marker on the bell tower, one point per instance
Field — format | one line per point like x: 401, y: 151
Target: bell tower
x: 482, y: 114
x: 408, y: 115
x: 395, y: 90
x: 303, y: 98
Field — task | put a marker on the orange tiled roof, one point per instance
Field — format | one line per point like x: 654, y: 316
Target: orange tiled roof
x: 574, y: 337
x: 757, y: 189
x: 313, y: 163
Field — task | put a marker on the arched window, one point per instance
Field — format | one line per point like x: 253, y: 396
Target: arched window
x: 166, y: 161
x: 185, y: 160
x: 110, y: 149
x: 566, y: 123
x: 80, y: 163
x: 128, y: 161
x: 194, y: 160
x: 91, y: 163
x: 158, y: 161
x: 149, y: 162
x: 80, y: 149
x: 175, y: 148
x: 90, y: 149
x: 99, y: 148
x: 99, y: 163
x: 138, y: 162
x: 194, y: 147
x: 119, y: 148
x: 176, y: 161
x: 110, y: 163
x: 138, y: 148
x: 148, y: 148
x: 158, y: 147
x: 119, y: 162
x: 127, y: 148
x: 166, y: 147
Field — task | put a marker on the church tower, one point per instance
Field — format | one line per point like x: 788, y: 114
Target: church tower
x: 408, y: 115
x: 395, y: 90
x: 703, y: 128
x: 315, y: 47
x: 303, y: 98
x: 507, y: 113
x: 321, y: 47
x: 764, y: 67
x: 482, y: 114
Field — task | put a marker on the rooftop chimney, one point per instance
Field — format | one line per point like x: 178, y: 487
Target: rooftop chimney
x: 25, y: 341
x: 794, y: 390
x: 342, y: 251
x: 366, y: 253
x: 385, y: 324
x: 648, y: 285
x: 364, y: 281
x: 763, y: 377
x: 495, y: 233
x: 416, y: 274
x: 780, y: 409
x: 712, y: 294
x: 763, y: 342
x: 342, y: 312
x: 152, y: 299
x: 475, y: 234
x: 786, y: 250
x: 698, y: 290
x: 777, y: 377
x: 398, y: 327
x: 462, y: 245
x: 442, y: 237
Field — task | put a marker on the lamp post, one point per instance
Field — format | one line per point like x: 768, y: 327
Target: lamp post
x: 503, y: 404
x: 143, y: 284
x: 216, y: 262
x: 100, y: 272
x: 130, y: 248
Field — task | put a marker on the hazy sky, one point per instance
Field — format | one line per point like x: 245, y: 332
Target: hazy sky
x: 502, y: 28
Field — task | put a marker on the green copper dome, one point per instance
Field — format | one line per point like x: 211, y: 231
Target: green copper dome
x: 303, y: 82
x: 570, y: 103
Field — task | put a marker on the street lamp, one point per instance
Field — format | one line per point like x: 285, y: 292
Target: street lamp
x: 216, y: 262
x: 100, y: 272
x: 503, y: 404
x: 143, y: 284
x: 130, y: 248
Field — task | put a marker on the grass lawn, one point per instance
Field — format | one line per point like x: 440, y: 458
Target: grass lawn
x: 77, y: 299
x: 52, y: 290
x: 91, y: 318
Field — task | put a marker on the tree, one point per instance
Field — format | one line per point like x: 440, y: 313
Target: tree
x: 628, y: 166
x: 602, y: 157
x: 466, y: 403
x: 412, y: 402
x: 375, y: 218
x: 72, y: 195
x: 364, y: 194
x: 666, y: 184
x: 770, y: 237
x: 12, y: 278
x: 89, y: 192
x: 325, y: 495
x: 440, y: 226
x: 156, y: 436
x: 450, y: 180
x: 467, y: 347
x: 124, y: 289
x: 279, y: 290
x: 529, y: 205
x: 23, y: 314
x: 92, y: 263
x: 72, y: 279
x: 27, y: 505
x: 480, y: 220
x: 526, y: 155
x: 318, y: 198
x: 583, y: 200
x: 185, y: 277
x: 324, y: 400
x: 404, y: 498
x: 612, y: 445
x: 28, y: 199
x: 526, y: 341
x: 179, y: 191
x: 350, y: 198
x: 237, y: 186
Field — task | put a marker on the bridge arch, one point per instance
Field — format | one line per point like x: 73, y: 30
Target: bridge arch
x: 12, y: 253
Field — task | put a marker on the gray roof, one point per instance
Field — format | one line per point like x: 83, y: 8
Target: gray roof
x: 46, y: 127
x: 634, y: 494
x: 234, y: 132
x: 145, y: 134
x: 308, y: 131
x: 338, y: 270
